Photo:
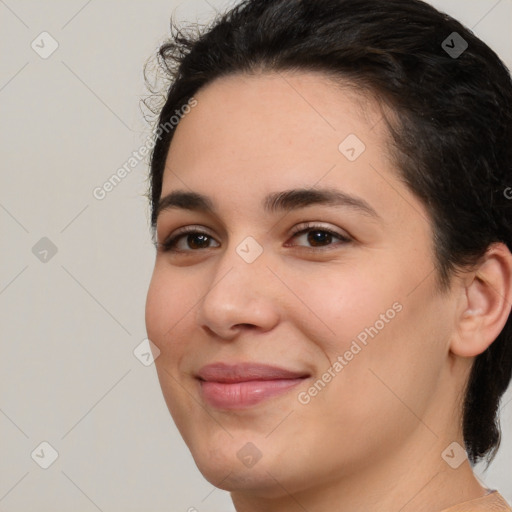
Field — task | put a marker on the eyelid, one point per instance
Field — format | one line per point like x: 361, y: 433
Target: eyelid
x: 185, y: 230
x: 302, y: 229
x: 168, y: 245
x: 191, y: 228
x: 312, y: 225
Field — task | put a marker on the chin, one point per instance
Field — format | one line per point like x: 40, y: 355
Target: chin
x: 256, y: 481
x: 271, y: 476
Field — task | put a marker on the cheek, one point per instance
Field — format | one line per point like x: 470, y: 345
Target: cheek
x: 376, y: 326
x: 345, y: 305
x: 165, y: 307
x: 396, y: 358
x: 155, y: 312
x: 167, y: 304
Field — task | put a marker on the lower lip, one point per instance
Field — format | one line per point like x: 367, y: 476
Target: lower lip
x: 238, y: 395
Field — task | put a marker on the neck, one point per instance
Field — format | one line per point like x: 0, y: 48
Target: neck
x: 410, y: 476
x: 413, y: 480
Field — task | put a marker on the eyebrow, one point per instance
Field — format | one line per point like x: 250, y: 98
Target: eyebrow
x: 275, y: 202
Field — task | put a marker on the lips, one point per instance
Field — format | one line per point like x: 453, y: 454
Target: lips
x: 242, y: 372
x: 243, y: 385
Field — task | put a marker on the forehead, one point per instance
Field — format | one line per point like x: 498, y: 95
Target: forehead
x: 306, y: 101
x: 271, y: 118
x: 250, y: 135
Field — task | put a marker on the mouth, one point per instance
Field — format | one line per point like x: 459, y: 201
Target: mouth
x: 243, y: 385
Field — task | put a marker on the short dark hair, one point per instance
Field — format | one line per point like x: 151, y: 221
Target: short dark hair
x: 451, y: 137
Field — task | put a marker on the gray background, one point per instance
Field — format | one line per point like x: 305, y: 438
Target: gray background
x: 70, y: 324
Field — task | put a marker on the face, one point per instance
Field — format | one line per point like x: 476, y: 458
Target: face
x: 339, y: 293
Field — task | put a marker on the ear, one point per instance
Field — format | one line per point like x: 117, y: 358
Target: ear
x: 486, y: 301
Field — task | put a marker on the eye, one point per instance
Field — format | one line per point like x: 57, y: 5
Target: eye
x: 318, y: 235
x: 194, y: 239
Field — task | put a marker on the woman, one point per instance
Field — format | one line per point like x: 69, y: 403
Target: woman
x: 332, y: 288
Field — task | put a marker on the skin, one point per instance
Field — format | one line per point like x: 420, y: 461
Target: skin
x: 372, y: 438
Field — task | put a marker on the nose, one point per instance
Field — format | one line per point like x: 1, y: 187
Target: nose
x: 239, y: 295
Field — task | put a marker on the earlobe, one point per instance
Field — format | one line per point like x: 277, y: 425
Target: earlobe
x: 487, y: 303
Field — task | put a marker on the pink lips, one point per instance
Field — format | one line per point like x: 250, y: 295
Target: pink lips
x: 242, y: 385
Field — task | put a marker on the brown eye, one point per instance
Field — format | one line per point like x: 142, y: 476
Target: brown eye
x: 319, y: 236
x: 193, y: 240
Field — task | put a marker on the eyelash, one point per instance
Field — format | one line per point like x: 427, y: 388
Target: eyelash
x: 169, y: 244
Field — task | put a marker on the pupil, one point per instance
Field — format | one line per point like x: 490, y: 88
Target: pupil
x: 322, y: 236
x: 196, y: 237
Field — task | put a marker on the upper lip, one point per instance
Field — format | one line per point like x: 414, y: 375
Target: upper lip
x: 242, y: 372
